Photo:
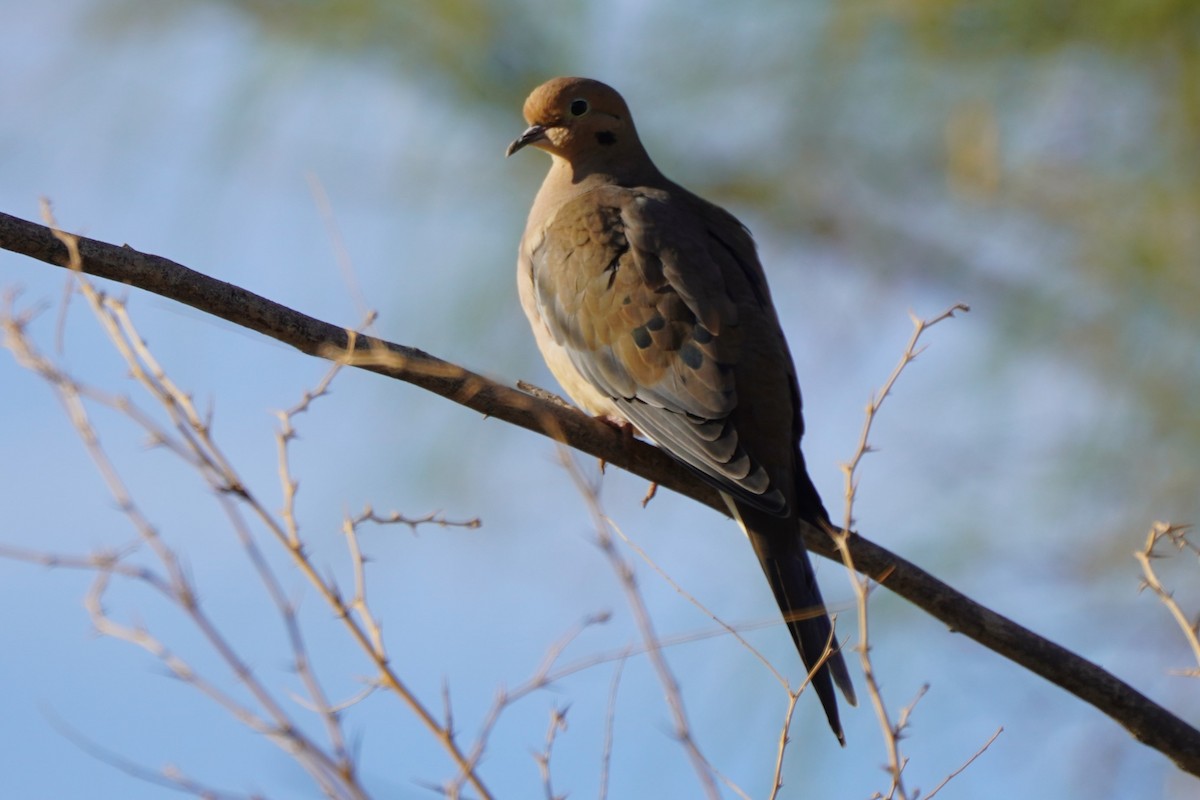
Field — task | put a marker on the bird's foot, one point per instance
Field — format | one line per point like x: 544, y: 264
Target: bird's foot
x: 626, y: 428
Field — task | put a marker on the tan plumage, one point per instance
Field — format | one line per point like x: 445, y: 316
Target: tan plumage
x: 649, y: 305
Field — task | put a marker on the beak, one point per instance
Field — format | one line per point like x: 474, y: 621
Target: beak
x: 534, y: 133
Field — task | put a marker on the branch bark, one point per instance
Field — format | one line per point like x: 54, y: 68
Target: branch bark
x: 1145, y: 720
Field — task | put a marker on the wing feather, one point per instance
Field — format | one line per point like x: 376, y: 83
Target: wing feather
x: 634, y: 289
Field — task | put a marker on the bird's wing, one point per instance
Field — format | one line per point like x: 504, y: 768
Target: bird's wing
x: 635, y: 285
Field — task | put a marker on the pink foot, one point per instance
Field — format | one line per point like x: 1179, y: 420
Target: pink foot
x: 628, y: 431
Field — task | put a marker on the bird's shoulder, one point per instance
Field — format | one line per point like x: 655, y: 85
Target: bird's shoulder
x: 673, y: 238
x: 660, y: 213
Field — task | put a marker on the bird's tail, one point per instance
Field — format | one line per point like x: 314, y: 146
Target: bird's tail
x: 780, y: 549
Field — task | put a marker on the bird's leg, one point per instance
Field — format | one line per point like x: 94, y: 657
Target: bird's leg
x: 621, y: 424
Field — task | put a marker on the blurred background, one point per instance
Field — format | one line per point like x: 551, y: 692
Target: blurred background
x: 1037, y: 160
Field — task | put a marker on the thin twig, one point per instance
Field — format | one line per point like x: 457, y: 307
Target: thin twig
x: 610, y: 716
x: 190, y: 435
x: 730, y: 629
x: 862, y: 585
x: 543, y: 676
x: 168, y: 777
x: 558, y: 724
x: 966, y: 763
x: 849, y: 469
x: 784, y: 738
x: 1176, y: 535
x: 633, y: 596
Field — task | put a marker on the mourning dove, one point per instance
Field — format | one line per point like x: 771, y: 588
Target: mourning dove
x: 650, y: 307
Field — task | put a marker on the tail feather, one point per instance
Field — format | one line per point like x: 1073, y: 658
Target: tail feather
x: 780, y: 549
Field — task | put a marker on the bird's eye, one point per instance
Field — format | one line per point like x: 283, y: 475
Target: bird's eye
x: 579, y: 107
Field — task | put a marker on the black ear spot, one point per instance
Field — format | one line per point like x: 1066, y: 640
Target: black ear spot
x: 606, y: 137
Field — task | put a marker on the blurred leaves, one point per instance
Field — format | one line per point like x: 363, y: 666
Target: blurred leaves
x: 480, y: 48
x: 1040, y: 155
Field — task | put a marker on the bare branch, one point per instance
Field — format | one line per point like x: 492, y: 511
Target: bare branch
x: 1145, y: 720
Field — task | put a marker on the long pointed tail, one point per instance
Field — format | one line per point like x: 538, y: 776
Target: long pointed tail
x: 780, y: 550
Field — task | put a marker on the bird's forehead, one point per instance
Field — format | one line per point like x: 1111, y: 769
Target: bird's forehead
x: 546, y: 103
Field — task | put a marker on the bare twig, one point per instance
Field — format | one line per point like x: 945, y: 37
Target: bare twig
x: 168, y: 777
x: 171, y: 583
x: 793, y: 694
x: 610, y: 716
x: 777, y: 778
x: 633, y: 596
x: 730, y: 629
x: 862, y: 585
x: 189, y: 436
x: 558, y: 724
x: 542, y: 677
x: 911, y: 351
x: 966, y: 763
x: 1177, y: 536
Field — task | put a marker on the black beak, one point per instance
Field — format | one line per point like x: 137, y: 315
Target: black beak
x: 534, y: 133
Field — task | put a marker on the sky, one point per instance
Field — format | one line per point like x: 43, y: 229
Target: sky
x: 201, y: 135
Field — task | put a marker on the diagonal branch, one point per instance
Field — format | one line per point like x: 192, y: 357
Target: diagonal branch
x: 1147, y: 721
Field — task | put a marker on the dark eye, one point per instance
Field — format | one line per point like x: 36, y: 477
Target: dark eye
x: 579, y: 108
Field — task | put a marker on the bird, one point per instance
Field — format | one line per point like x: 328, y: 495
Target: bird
x: 651, y: 308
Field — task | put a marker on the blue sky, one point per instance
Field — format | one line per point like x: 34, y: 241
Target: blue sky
x: 199, y: 137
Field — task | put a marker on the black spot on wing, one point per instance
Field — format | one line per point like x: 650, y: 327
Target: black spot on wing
x: 691, y: 356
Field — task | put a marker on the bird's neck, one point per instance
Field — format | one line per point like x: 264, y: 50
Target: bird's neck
x: 631, y: 167
x: 569, y: 179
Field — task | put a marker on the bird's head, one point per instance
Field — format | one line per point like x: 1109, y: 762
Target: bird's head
x: 577, y: 119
